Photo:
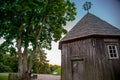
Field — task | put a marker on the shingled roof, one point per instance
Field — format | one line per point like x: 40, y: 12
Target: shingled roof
x: 90, y: 25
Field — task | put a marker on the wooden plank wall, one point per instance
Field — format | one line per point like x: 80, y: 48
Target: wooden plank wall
x: 71, y: 51
x: 100, y: 60
x: 96, y: 63
x: 109, y: 69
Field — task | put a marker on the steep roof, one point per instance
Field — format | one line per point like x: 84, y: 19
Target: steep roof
x: 90, y: 25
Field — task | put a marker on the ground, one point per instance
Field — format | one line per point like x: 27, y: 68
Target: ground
x: 4, y: 76
x: 48, y: 77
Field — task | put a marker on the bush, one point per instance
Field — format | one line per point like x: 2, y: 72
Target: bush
x: 57, y: 71
x: 4, y: 68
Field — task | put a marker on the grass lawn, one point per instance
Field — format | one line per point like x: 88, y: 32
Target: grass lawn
x: 3, y: 76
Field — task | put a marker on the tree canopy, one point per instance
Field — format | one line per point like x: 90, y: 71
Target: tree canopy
x: 28, y: 18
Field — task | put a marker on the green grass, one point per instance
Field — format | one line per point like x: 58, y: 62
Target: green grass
x: 3, y: 76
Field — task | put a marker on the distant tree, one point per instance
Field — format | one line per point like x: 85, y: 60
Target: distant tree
x: 8, y: 57
x: 40, y: 64
x: 25, y: 23
x: 4, y: 68
x: 43, y: 65
x: 8, y: 63
x: 54, y: 67
x: 1, y: 56
x: 58, y: 70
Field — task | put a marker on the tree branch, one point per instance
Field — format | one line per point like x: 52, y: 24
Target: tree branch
x: 40, y: 30
x: 34, y: 47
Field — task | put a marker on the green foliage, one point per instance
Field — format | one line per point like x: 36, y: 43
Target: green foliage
x: 43, y: 68
x: 40, y: 64
x: 1, y: 56
x: 54, y: 68
x: 58, y: 70
x: 8, y: 63
x: 28, y: 17
x: 4, y: 68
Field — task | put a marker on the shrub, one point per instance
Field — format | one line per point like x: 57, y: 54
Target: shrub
x: 4, y: 68
x: 57, y: 71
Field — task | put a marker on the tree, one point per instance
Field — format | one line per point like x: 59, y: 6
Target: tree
x: 10, y: 61
x: 42, y: 63
x: 54, y: 67
x: 25, y: 23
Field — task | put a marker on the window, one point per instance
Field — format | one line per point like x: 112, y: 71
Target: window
x: 112, y: 51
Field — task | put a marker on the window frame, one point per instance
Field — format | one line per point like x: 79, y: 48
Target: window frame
x: 116, y: 51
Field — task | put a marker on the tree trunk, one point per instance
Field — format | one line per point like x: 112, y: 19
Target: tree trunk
x: 25, y: 69
x: 31, y: 60
x: 20, y: 66
x: 20, y: 57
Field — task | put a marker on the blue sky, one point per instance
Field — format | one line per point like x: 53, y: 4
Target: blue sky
x: 108, y: 10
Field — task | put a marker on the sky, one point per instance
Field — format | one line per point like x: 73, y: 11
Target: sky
x: 107, y: 10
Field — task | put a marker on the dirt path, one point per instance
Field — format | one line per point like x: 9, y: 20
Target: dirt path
x: 48, y: 77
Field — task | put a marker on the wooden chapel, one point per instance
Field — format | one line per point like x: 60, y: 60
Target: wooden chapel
x: 91, y: 51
